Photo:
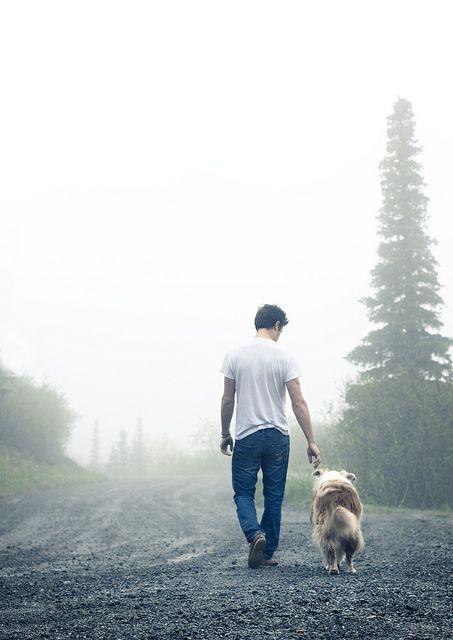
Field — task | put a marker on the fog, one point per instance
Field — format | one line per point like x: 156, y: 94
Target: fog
x: 167, y: 167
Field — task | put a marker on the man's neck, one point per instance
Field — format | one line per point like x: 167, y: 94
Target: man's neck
x: 269, y: 334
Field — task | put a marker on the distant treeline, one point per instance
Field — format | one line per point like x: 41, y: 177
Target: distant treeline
x: 35, y: 419
x: 138, y: 454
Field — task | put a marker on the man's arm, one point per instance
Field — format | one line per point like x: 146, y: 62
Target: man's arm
x: 302, y: 414
x: 226, y: 412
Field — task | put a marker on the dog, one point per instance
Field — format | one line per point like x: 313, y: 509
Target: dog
x: 335, y: 516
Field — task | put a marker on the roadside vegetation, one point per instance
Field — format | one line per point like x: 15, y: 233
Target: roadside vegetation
x: 21, y: 474
x: 35, y: 426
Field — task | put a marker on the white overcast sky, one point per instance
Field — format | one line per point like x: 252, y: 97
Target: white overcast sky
x: 166, y: 167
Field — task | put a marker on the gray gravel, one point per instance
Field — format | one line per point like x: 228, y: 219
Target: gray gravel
x: 166, y: 559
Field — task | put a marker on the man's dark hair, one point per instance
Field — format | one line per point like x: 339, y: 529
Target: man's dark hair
x: 268, y: 315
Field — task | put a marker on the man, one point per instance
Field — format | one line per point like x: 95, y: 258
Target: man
x: 259, y: 373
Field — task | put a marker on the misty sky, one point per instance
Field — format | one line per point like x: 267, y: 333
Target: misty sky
x: 167, y: 167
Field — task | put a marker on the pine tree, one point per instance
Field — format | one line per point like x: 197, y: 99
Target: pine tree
x: 123, y: 450
x: 119, y: 455
x: 95, y: 446
x: 138, y: 456
x: 397, y: 416
x: 406, y: 300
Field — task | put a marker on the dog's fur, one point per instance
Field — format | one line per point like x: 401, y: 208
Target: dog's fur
x: 335, y: 516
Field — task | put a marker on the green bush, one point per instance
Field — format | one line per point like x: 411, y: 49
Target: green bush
x: 35, y: 420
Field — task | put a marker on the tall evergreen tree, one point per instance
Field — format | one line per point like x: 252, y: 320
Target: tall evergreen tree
x: 397, y: 417
x: 95, y: 446
x: 138, y: 455
x: 119, y: 455
x: 406, y: 300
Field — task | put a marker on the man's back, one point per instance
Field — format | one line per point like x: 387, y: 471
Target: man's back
x: 260, y: 369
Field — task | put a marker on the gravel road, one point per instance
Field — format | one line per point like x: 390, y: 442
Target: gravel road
x: 166, y: 559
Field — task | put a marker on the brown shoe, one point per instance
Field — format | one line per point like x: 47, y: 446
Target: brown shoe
x: 268, y: 562
x: 257, y: 547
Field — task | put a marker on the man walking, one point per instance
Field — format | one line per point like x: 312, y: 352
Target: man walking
x: 259, y: 373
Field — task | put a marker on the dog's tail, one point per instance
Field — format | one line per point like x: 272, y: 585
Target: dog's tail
x: 347, y: 525
x: 344, y: 520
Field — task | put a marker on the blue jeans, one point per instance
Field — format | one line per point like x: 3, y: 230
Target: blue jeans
x: 267, y: 449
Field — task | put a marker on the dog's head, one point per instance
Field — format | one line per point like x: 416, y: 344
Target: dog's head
x: 321, y: 475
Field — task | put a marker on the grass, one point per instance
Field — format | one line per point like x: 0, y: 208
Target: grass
x: 370, y: 507
x: 299, y: 487
x: 19, y: 474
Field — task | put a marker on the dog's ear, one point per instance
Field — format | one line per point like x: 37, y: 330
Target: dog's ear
x: 316, y: 473
x: 349, y: 476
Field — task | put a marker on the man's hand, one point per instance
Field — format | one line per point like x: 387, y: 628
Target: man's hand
x: 227, y: 441
x: 314, y: 454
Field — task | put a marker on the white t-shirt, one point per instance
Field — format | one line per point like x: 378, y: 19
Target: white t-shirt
x: 261, y: 369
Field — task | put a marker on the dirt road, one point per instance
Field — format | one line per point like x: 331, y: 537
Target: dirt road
x: 166, y: 559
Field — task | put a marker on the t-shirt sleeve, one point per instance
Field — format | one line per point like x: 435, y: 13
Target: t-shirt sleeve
x: 292, y: 369
x: 227, y: 367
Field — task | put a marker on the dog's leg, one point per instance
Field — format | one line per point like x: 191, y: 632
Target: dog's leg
x: 349, y: 565
x: 339, y: 556
x: 331, y: 558
x: 327, y: 545
x: 350, y: 549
